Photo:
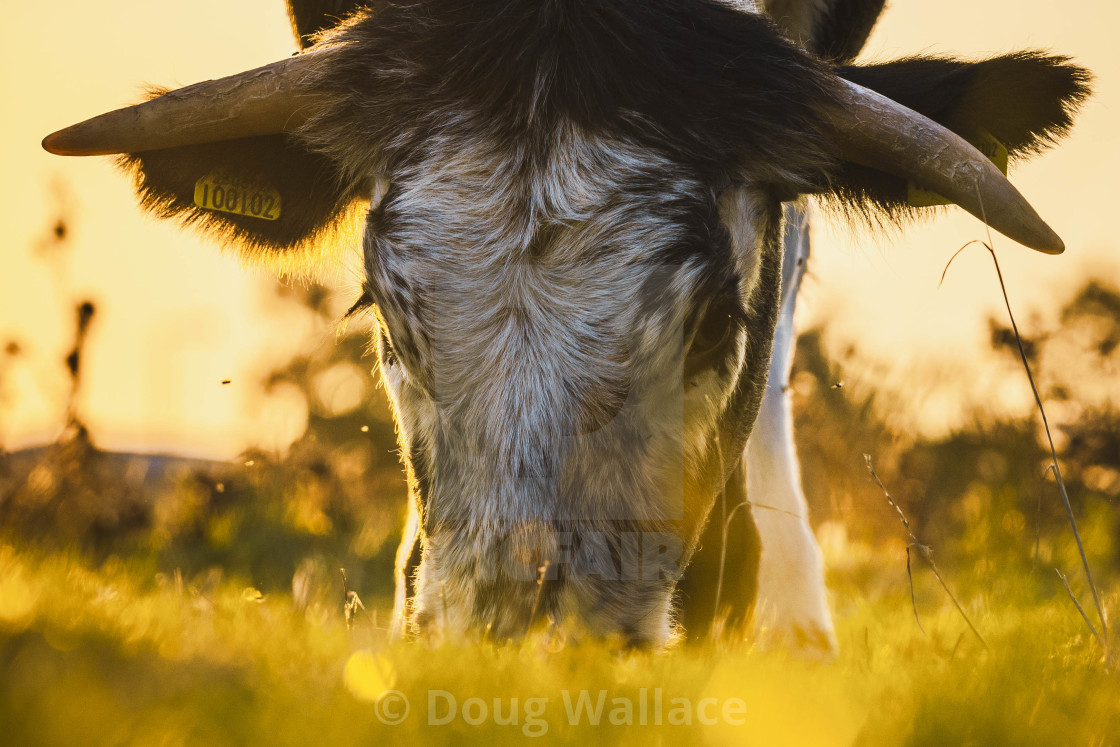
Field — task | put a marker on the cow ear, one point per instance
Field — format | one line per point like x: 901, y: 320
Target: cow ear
x: 287, y: 197
x: 268, y: 196
x: 1025, y: 100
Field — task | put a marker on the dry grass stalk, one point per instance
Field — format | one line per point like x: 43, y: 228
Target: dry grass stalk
x: 925, y: 552
x: 1050, y: 440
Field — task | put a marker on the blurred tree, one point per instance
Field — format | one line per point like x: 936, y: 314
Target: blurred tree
x: 985, y: 488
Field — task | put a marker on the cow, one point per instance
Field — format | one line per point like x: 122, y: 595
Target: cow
x: 769, y: 572
x: 572, y: 248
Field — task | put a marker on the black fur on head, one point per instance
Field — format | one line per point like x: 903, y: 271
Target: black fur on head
x: 708, y: 84
x: 717, y: 90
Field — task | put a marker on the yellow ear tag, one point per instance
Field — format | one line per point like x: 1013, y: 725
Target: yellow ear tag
x: 238, y: 196
x: 985, y: 143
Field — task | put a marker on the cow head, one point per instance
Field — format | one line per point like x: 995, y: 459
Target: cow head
x: 572, y: 249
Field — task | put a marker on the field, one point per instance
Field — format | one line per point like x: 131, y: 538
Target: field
x: 114, y: 652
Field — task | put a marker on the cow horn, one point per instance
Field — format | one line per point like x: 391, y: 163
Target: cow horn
x: 874, y: 131
x: 263, y: 101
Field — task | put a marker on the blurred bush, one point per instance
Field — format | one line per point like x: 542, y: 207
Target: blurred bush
x: 335, y: 500
x: 983, y: 496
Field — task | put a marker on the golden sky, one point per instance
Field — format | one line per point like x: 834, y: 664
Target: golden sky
x: 177, y: 316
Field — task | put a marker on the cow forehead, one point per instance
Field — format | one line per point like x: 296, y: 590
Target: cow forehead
x: 585, y: 243
x: 467, y: 196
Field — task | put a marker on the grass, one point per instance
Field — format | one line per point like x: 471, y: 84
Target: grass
x: 116, y: 653
x: 127, y: 618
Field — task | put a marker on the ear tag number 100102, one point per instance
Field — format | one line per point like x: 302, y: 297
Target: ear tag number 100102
x: 254, y: 200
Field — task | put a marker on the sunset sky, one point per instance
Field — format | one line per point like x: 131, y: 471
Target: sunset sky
x: 177, y: 316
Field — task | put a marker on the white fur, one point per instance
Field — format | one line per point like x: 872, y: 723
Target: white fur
x: 792, y: 607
